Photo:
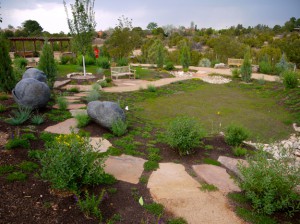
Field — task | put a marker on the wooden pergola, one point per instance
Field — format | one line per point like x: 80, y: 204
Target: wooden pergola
x: 51, y: 40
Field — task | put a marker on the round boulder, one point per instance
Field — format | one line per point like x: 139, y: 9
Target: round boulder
x: 31, y: 93
x: 105, y: 113
x: 35, y: 74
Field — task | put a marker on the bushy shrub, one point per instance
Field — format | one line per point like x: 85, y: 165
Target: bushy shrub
x: 205, y: 62
x: 62, y: 103
x: 17, y: 142
x: 103, y: 62
x: 235, y: 73
x: 184, y: 134
x: 103, y: 83
x: 89, y: 60
x: 239, y: 151
x: 185, y: 55
x: 122, y: 62
x: 37, y: 119
x: 265, y: 67
x: 82, y: 120
x: 69, y: 162
x: 65, y: 59
x: 270, y: 183
x: 93, y: 95
x: 235, y: 135
x: 169, y: 66
x: 290, y: 79
x: 20, y: 62
x: 282, y: 65
x: 246, y: 69
x: 19, y: 116
x: 119, y: 127
x: 151, y: 88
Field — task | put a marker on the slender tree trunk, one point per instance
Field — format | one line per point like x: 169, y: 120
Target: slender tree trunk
x: 83, y: 63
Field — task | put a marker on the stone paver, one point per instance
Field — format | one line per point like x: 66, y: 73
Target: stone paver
x: 100, y: 144
x: 64, y: 127
x: 78, y: 111
x: 216, y: 176
x: 125, y: 168
x: 58, y: 84
x: 72, y: 106
x: 82, y: 94
x: 232, y: 164
x: 173, y: 187
x: 81, y: 88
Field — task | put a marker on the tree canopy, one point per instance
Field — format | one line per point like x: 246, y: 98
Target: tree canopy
x: 31, y: 28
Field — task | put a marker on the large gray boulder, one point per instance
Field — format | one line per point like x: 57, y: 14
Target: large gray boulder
x: 31, y: 93
x: 35, y: 74
x: 105, y: 113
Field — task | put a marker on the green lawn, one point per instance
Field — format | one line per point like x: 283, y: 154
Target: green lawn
x: 253, y: 108
x: 63, y: 70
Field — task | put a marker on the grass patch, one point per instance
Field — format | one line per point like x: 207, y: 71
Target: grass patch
x: 6, y: 169
x: 211, y: 162
x: 177, y: 221
x: 155, y: 209
x: 144, y: 179
x: 28, y: 166
x: 208, y: 187
x: 252, y: 217
x: 58, y: 115
x: 16, y: 176
x: 151, y: 165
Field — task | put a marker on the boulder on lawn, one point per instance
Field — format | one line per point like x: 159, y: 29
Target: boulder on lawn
x: 31, y: 93
x: 105, y: 113
x: 220, y: 66
x: 35, y: 74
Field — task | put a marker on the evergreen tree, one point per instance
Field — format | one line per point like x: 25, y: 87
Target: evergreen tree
x: 156, y: 53
x: 7, y: 78
x: 246, y: 69
x: 185, y: 55
x: 47, y: 64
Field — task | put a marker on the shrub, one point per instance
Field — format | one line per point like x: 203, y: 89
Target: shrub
x: 235, y: 135
x: 62, y: 103
x: 185, y: 55
x: 246, y: 69
x: 65, y: 59
x: 58, y: 115
x: 151, y: 165
x: 17, y: 142
x: 169, y: 66
x: 74, y: 89
x: 28, y: 166
x: 19, y: 116
x: 37, y: 119
x: 6, y: 169
x: 2, y: 108
x: 93, y: 95
x: 155, y: 209
x: 151, y: 88
x: 235, y: 73
x: 16, y: 176
x: 184, y: 134
x: 96, y: 86
x: 103, y: 83
x: 269, y: 183
x: 290, y: 79
x: 208, y: 187
x: 47, y: 64
x: 35, y: 154
x: 3, y: 96
x: 122, y: 62
x: 211, y: 162
x: 69, y: 162
x: 205, y: 62
x: 82, y: 120
x: 282, y: 65
x: 89, y: 60
x: 20, y: 63
x: 119, y: 127
x: 265, y: 67
x: 239, y: 151
x: 157, y: 53
x: 177, y: 221
x: 103, y: 62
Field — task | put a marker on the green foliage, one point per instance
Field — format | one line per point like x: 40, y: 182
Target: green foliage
x: 184, y: 134
x: 119, y: 127
x: 37, y: 119
x: 89, y: 60
x: 28, y: 166
x: 208, y: 187
x: 239, y: 151
x: 70, y: 162
x: 290, y: 79
x: 151, y: 165
x: 157, y: 53
x: 143, y: 179
x: 252, y: 217
x: 58, y: 115
x: 35, y: 154
x: 96, y: 86
x: 269, y: 183
x: 154, y: 157
x: 205, y: 62
x: 31, y: 28
x: 235, y: 73
x: 211, y: 162
x: 151, y: 88
x: 6, y: 169
x: 90, y: 205
x: 2, y: 108
x: 282, y: 65
x: 185, y: 55
x: 177, y: 221
x: 235, y: 135
x: 3, y: 96
x: 74, y: 90
x: 19, y: 116
x: 20, y: 63
x: 103, y: 62
x: 7, y: 78
x: 16, y: 176
x: 103, y: 83
x: 265, y: 67
x: 62, y: 103
x: 82, y: 120
x: 29, y: 136
x: 65, y: 59
x: 246, y: 69
x: 93, y: 95
x: 17, y: 142
x: 169, y: 66
x: 155, y: 209
x: 122, y: 61
x: 47, y: 64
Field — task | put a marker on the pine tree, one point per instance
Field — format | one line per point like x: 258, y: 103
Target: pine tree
x: 47, y: 64
x: 156, y: 53
x: 246, y: 69
x: 7, y: 78
x: 185, y: 55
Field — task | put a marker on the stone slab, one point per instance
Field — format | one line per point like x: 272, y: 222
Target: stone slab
x: 58, y: 84
x: 72, y: 106
x: 72, y: 97
x: 81, y: 88
x: 232, y: 164
x: 100, y: 144
x: 78, y: 111
x: 64, y: 127
x: 125, y: 168
x: 83, y: 94
x: 179, y: 193
x: 216, y: 176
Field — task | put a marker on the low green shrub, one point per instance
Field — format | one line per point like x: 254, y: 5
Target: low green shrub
x: 235, y: 73
x: 37, y: 119
x: 151, y: 88
x: 35, y: 154
x: 155, y: 209
x: 151, y: 165
x: 205, y: 62
x: 119, y: 127
x: 235, y: 135
x: 58, y: 115
x: 177, y: 221
x: 290, y: 79
x: 19, y: 116
x: 2, y: 108
x: 89, y: 60
x: 3, y: 96
x: 74, y: 90
x: 65, y: 59
x: 16, y: 176
x: 239, y: 151
x: 122, y: 62
x: 70, y: 162
x: 29, y: 136
x: 103, y: 83
x: 169, y: 66
x: 6, y: 169
x: 270, y: 183
x: 265, y: 67
x: 82, y: 120
x: 93, y: 95
x: 28, y: 166
x: 208, y: 187
x: 96, y: 87
x: 103, y: 62
x: 62, y: 103
x: 211, y: 162
x: 184, y: 134
x: 154, y: 157
x: 16, y: 143
x: 20, y: 62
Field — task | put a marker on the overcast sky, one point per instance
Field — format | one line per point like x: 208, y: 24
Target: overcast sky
x: 204, y: 13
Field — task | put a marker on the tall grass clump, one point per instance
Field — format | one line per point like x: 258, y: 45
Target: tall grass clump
x: 119, y: 127
x: 62, y: 103
x: 290, y: 79
x: 93, y: 95
x: 82, y: 120
x: 103, y: 62
x: 19, y: 116
x: 122, y: 62
x: 184, y: 134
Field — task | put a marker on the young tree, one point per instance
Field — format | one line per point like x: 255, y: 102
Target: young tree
x: 82, y: 26
x: 156, y: 53
x: 151, y: 26
x: 7, y: 79
x: 185, y: 55
x: 246, y: 69
x: 47, y: 64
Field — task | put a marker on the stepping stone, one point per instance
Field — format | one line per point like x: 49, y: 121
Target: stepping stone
x: 100, y: 144
x: 83, y: 94
x: 58, y: 84
x: 81, y: 88
x: 78, y: 111
x: 72, y: 106
x: 64, y: 127
x: 72, y: 97
x: 125, y: 168
x: 232, y: 164
x: 179, y: 193
x: 216, y: 176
